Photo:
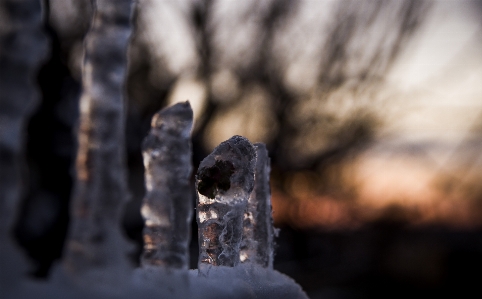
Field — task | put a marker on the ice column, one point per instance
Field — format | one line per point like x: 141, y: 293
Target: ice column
x: 258, y: 237
x: 20, y: 33
x: 224, y: 181
x: 167, y: 207
x: 95, y: 241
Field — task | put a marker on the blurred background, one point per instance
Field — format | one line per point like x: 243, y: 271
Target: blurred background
x: 371, y: 111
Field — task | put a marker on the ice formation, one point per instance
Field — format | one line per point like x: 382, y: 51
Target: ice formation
x: 224, y: 182
x: 258, y: 232
x: 21, y: 31
x: 167, y: 206
x: 95, y: 240
x: 95, y: 258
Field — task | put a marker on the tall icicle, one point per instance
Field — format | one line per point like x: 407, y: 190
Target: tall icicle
x: 95, y: 241
x: 258, y: 237
x: 167, y: 206
x: 223, y: 182
x: 20, y: 32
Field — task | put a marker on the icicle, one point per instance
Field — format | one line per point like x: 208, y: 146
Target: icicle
x: 167, y: 206
x: 258, y: 235
x: 96, y: 242
x: 223, y: 182
x: 20, y: 32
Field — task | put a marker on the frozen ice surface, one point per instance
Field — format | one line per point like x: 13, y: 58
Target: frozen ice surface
x: 96, y: 244
x: 258, y: 237
x: 167, y: 207
x: 224, y: 182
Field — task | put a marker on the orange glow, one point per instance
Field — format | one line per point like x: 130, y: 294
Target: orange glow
x: 391, y: 188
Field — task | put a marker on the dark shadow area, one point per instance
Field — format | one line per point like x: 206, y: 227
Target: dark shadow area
x: 215, y: 178
x: 382, y: 259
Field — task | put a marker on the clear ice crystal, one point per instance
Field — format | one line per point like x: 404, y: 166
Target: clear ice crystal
x: 224, y: 182
x: 257, y: 245
x: 96, y: 242
x: 167, y: 205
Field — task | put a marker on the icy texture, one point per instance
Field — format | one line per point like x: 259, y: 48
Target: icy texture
x: 244, y: 281
x: 96, y: 244
x: 96, y: 247
x: 167, y: 206
x: 224, y: 181
x: 20, y: 32
x: 258, y: 237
